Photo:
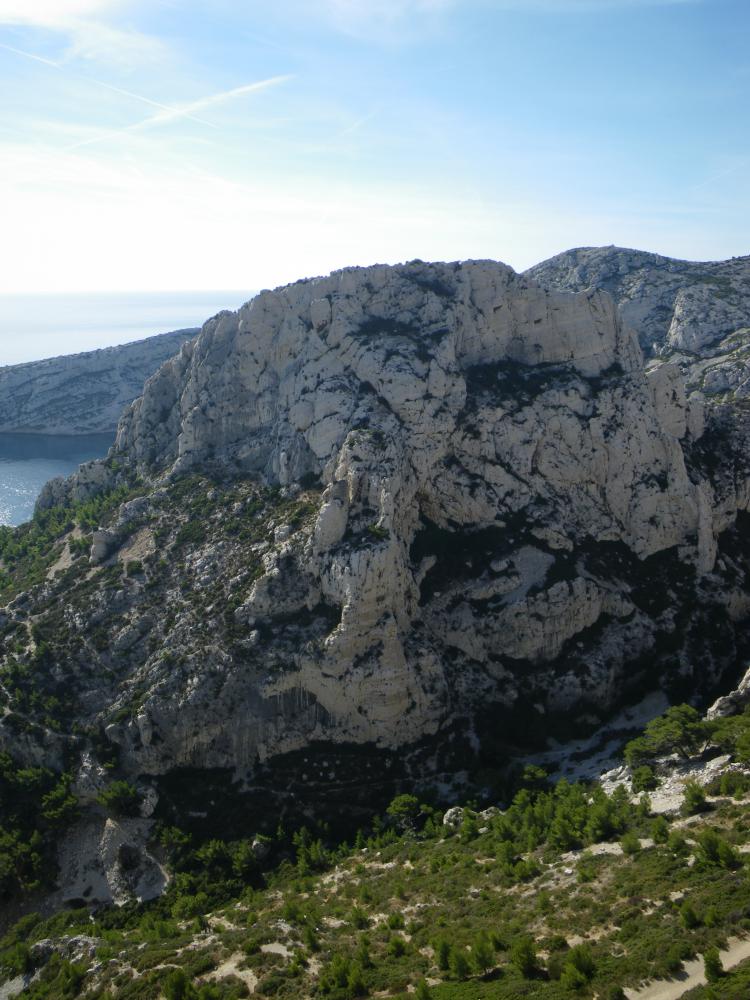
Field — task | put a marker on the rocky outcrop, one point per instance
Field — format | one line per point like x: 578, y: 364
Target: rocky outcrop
x: 733, y: 702
x: 81, y: 393
x: 696, y: 314
x: 478, y: 505
x: 104, y: 861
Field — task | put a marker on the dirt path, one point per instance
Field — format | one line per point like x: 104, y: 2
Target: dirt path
x: 673, y: 989
x: 232, y: 968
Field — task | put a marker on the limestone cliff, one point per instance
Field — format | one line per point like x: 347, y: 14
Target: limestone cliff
x: 385, y: 503
x: 695, y: 314
x: 81, y: 393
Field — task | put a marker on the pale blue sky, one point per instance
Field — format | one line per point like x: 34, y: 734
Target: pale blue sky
x: 182, y: 144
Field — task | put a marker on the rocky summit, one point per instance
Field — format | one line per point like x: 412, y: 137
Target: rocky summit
x: 694, y: 314
x: 426, y: 506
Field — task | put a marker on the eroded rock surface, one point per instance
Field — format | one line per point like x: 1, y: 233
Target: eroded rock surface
x: 694, y: 313
x: 479, y: 505
x: 81, y: 393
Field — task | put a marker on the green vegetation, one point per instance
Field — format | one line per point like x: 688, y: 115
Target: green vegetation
x: 522, y: 903
x: 487, y: 910
x: 35, y: 804
x: 680, y: 730
x: 27, y: 552
x: 120, y: 798
x: 48, y: 667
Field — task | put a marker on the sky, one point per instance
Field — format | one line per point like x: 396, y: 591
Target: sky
x: 187, y: 144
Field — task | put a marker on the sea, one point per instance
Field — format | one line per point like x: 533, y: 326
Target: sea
x: 28, y: 461
x: 44, y: 326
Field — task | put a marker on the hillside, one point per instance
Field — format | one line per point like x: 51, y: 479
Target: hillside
x: 383, y: 532
x: 81, y: 393
x: 422, y: 498
x: 568, y: 891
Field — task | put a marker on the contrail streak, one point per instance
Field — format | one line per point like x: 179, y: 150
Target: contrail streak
x: 106, y: 86
x: 172, y: 114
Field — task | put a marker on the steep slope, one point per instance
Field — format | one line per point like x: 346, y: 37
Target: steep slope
x: 373, y: 509
x: 693, y: 313
x: 572, y: 890
x: 81, y: 393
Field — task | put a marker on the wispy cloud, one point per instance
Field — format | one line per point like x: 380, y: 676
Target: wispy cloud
x: 30, y: 55
x: 48, y: 13
x: 61, y: 67
x: 165, y: 108
x: 88, y: 27
x: 167, y: 115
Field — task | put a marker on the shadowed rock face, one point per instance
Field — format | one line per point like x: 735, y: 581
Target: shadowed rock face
x: 512, y: 517
x: 81, y: 393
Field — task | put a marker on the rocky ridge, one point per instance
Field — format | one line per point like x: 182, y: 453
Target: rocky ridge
x: 692, y: 313
x: 480, y: 511
x: 81, y: 393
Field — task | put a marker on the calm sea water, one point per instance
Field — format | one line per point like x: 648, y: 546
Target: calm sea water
x: 27, y: 461
x: 43, y: 326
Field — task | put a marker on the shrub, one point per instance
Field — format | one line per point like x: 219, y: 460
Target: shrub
x: 355, y: 982
x: 70, y: 978
x: 676, y: 843
x: 363, y: 953
x: 460, y: 965
x: 580, y: 958
x: 630, y: 844
x: 523, y: 956
x: 17, y: 960
x: 742, y: 747
x: 711, y: 917
x: 482, y: 954
x: 342, y: 978
x: 397, y: 947
x: 644, y: 779
x: 311, y: 938
x: 188, y: 906
x: 688, y: 917
x: 443, y: 955
x: 714, y: 850
x: 679, y: 730
x: 673, y: 959
x: 469, y: 827
x: 586, y: 868
x: 694, y: 800
x: 572, y: 979
x: 730, y: 783
x: 712, y: 965
x: 404, y: 810
x: 120, y: 798
x: 175, y: 985
x: 660, y: 830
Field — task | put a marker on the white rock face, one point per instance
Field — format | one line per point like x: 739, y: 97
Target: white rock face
x: 514, y: 513
x: 733, y: 702
x: 103, y: 860
x: 695, y: 313
x: 81, y: 393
